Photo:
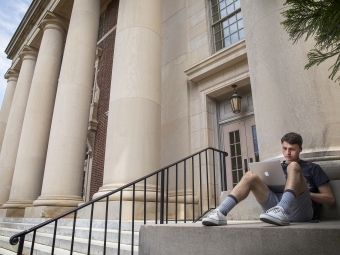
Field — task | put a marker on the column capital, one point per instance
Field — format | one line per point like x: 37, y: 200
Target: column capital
x: 54, y: 21
x: 29, y: 52
x: 11, y: 75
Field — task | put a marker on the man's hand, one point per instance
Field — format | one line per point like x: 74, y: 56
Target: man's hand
x: 325, y: 196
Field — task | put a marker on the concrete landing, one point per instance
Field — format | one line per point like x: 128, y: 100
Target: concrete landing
x: 241, y: 238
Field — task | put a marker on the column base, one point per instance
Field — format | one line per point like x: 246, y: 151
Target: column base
x: 12, y: 213
x: 128, y: 193
x: 58, y: 201
x: 17, y: 204
x: 114, y: 206
x: 46, y: 211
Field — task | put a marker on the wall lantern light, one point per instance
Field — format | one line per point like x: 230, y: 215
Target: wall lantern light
x: 235, y: 101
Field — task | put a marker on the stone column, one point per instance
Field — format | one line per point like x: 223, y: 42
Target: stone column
x: 12, y: 78
x: 286, y: 96
x: 133, y: 133
x: 30, y: 162
x: 10, y: 144
x: 63, y: 176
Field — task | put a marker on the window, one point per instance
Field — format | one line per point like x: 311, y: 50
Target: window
x: 101, y: 26
x: 227, y: 21
x: 256, y: 147
x: 235, y: 156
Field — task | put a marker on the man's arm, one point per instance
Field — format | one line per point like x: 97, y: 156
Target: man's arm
x: 325, y: 196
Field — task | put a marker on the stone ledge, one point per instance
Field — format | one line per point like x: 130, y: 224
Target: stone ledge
x: 241, y: 238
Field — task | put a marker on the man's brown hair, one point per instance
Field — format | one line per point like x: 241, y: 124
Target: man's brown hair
x: 292, y: 138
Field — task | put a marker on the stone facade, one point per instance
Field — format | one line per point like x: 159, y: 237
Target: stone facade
x: 152, y: 89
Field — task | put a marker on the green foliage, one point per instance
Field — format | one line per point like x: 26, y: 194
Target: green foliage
x: 319, y: 19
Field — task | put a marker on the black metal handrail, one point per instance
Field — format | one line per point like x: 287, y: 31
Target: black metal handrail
x: 162, y: 176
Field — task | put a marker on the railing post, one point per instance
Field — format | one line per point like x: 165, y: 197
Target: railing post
x: 225, y: 170
x: 176, y: 193
x: 207, y: 176
x: 133, y: 217
x: 33, y: 241
x: 161, y: 209
x: 90, y: 231
x: 214, y: 169
x: 73, y: 231
x: 105, y: 230
x: 120, y: 220
x: 167, y: 196
x: 54, y: 235
x: 21, y: 245
x: 200, y: 179
x: 157, y: 180
x: 222, y: 171
x: 185, y: 191
x: 145, y: 201
x: 193, y: 187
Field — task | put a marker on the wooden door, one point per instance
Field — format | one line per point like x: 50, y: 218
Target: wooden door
x: 240, y: 141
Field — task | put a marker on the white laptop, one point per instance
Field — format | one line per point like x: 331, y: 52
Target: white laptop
x: 271, y: 173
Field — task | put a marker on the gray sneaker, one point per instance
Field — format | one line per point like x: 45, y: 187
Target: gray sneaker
x: 275, y: 215
x: 215, y: 218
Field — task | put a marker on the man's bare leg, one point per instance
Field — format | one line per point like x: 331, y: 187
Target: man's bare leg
x: 249, y: 182
x: 295, y: 180
x: 295, y: 186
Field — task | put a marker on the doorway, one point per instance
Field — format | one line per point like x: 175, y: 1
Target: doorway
x: 240, y: 142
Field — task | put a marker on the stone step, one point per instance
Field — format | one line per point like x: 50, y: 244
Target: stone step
x: 6, y: 252
x: 254, y: 238
x: 39, y: 249
x: 63, y: 243
x: 11, y: 226
x: 9, y: 229
x: 44, y: 236
x: 111, y: 224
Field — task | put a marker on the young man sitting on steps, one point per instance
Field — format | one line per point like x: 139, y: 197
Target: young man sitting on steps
x: 306, y: 188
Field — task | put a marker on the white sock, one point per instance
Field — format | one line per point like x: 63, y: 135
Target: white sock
x: 287, y: 200
x: 228, y: 204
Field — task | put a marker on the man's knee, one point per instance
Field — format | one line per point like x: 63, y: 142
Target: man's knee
x: 250, y: 177
x: 293, y: 167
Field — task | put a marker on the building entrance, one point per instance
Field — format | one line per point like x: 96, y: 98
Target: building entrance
x: 240, y: 141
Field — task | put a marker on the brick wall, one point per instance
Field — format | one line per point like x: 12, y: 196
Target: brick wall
x: 104, y: 83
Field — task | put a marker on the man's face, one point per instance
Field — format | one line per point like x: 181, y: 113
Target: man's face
x: 291, y: 152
